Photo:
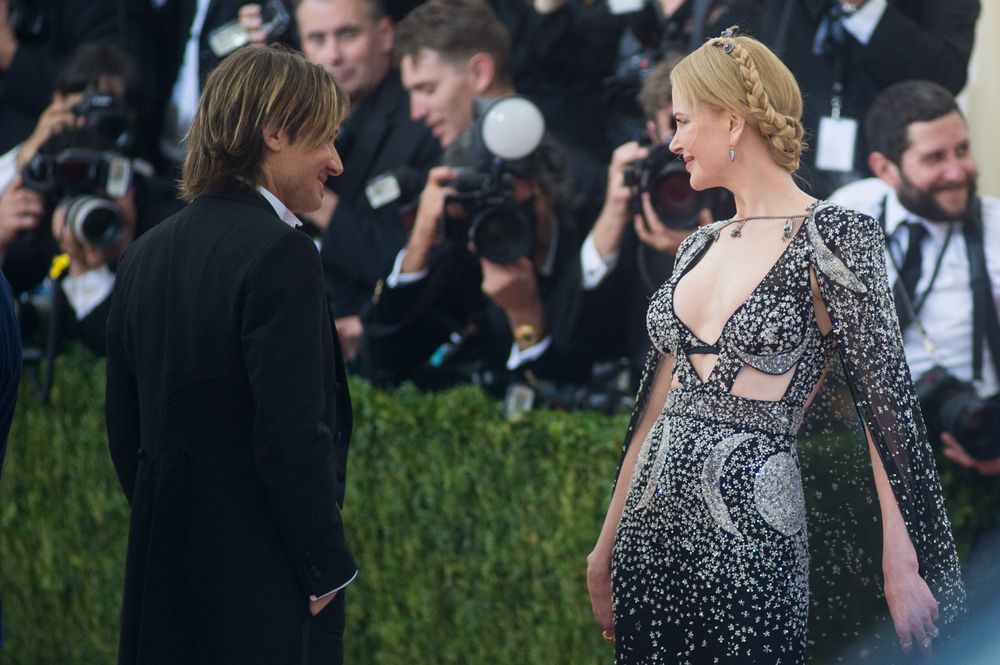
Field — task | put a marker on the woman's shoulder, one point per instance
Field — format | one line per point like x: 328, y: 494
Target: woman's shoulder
x: 837, y: 224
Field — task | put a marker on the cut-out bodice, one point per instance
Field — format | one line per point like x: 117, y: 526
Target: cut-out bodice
x: 774, y: 331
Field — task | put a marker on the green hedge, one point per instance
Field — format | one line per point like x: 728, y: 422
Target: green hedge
x: 471, y: 532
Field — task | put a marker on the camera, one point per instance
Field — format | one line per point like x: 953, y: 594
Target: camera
x: 484, y: 210
x: 84, y: 180
x: 231, y: 36
x: 668, y: 184
x: 108, y: 116
x: 951, y: 405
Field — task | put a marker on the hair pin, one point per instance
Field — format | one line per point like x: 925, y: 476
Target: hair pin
x: 731, y: 31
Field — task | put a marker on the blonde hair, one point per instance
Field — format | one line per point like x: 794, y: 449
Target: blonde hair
x: 740, y: 74
x: 254, y: 89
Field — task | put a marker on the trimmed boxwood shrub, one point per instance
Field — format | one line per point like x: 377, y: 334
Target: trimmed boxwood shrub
x: 471, y: 531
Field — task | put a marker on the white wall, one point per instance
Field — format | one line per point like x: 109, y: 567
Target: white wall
x: 980, y: 100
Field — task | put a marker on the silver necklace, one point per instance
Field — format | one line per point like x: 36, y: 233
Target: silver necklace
x: 786, y: 235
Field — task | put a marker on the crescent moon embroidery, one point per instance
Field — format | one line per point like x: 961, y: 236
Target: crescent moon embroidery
x: 777, y: 493
x: 711, y: 476
x: 661, y: 460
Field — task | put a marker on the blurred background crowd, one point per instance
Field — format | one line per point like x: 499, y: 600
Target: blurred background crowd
x: 509, y: 202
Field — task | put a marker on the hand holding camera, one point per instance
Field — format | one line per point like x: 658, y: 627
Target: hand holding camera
x: 954, y: 451
x: 251, y: 20
x: 425, y: 228
x: 255, y: 25
x: 654, y: 233
x: 55, y: 118
x: 616, y: 208
x: 952, y: 409
x: 90, y: 192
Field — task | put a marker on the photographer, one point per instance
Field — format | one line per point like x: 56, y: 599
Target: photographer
x: 451, y: 52
x: 943, y: 252
x: 649, y: 209
x: 70, y: 214
x: 36, y: 37
x: 484, y: 290
x: 99, y: 86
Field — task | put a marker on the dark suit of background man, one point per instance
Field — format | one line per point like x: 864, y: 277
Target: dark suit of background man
x: 227, y: 406
x: 10, y: 374
x: 865, y: 46
x: 352, y: 39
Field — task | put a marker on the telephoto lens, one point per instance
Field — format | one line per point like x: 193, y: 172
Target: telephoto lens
x: 94, y: 220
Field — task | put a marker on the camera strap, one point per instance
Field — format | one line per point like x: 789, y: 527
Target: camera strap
x: 913, y: 309
x: 985, y: 322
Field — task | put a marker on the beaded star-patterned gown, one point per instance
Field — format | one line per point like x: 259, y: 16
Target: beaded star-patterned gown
x: 711, y: 563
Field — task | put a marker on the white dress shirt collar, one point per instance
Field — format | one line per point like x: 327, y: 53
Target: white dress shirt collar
x: 286, y: 215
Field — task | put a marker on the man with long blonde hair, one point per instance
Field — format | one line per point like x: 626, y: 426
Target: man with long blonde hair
x: 227, y: 406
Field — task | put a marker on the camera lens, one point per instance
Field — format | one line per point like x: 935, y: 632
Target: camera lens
x: 675, y: 203
x: 94, y: 220
x: 502, y: 235
x: 974, y: 422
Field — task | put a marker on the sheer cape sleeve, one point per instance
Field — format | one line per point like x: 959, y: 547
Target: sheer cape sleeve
x: 848, y: 261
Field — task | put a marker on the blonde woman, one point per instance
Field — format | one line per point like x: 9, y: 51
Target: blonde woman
x: 703, y: 554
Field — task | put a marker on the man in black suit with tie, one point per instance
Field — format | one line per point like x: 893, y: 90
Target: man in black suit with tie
x: 227, y: 406
x: 844, y: 52
x: 352, y: 40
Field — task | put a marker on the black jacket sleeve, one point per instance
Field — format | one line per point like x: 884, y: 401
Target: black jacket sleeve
x: 284, y: 320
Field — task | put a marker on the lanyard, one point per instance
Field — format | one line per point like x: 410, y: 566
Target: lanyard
x: 916, y: 307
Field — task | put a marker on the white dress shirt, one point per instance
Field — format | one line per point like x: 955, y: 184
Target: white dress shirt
x: 187, y: 88
x: 286, y: 215
x: 946, y: 314
x: 863, y: 22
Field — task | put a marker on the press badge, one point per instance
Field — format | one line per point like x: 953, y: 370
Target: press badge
x: 836, y: 141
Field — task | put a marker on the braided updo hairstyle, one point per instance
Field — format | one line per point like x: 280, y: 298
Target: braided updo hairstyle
x: 739, y: 73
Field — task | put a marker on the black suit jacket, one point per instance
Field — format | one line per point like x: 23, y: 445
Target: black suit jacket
x: 915, y: 39
x: 228, y: 423
x: 360, y: 243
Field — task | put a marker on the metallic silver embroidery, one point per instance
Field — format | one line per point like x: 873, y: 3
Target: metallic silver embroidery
x: 653, y: 481
x: 711, y: 476
x: 828, y: 262
x: 777, y: 363
x: 772, y: 417
x: 777, y: 494
x: 698, y: 579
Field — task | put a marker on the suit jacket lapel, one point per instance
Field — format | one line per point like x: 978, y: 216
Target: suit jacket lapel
x: 367, y: 143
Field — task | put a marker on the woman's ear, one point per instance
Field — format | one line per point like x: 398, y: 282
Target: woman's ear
x: 737, y: 124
